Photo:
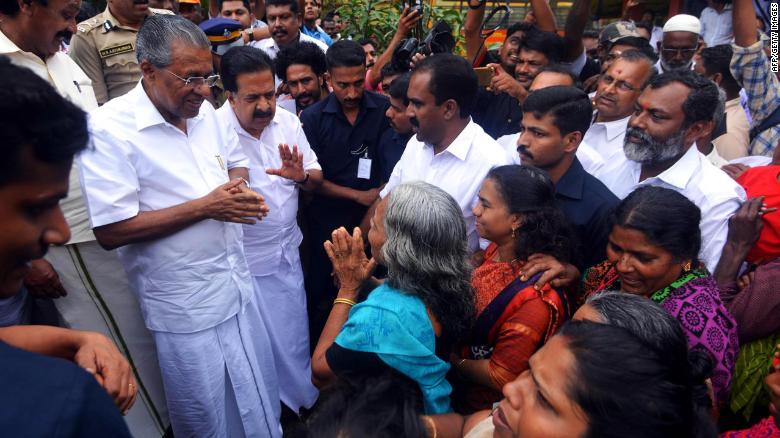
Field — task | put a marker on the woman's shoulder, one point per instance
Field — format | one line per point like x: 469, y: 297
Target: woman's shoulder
x: 387, y: 297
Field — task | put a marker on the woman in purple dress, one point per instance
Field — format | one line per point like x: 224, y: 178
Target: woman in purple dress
x: 653, y: 251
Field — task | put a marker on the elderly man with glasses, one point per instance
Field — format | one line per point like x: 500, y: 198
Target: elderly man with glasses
x: 166, y: 184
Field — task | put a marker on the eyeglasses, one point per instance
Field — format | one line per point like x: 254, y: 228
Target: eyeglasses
x: 621, y: 85
x: 196, y: 81
x: 682, y: 52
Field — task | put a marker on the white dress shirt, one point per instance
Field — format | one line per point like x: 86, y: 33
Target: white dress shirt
x: 716, y: 28
x: 458, y: 170
x: 267, y: 241
x: 715, y: 193
x: 71, y: 82
x: 606, y: 138
x: 590, y: 159
x: 197, y: 277
x: 269, y: 46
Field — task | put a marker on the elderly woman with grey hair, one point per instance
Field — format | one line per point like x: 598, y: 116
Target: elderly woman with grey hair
x: 405, y: 325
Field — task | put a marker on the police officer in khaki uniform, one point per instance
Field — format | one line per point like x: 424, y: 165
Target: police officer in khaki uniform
x: 104, y: 47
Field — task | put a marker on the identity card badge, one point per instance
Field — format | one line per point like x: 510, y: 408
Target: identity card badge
x: 364, y: 167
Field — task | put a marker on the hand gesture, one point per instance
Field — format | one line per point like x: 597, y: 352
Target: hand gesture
x: 350, y: 264
x: 503, y: 82
x: 555, y: 273
x: 99, y: 357
x: 43, y: 282
x: 746, y: 224
x: 232, y: 203
x: 292, y: 164
x: 366, y: 197
x: 407, y: 21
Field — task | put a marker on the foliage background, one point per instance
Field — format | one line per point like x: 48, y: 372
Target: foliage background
x: 378, y: 19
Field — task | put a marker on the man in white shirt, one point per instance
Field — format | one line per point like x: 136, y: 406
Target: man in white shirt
x: 716, y: 23
x: 271, y: 246
x: 449, y: 150
x: 617, y: 92
x: 164, y: 183
x: 284, y: 19
x: 76, y: 273
x: 674, y: 111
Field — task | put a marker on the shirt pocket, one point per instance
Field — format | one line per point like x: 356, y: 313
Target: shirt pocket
x: 121, y: 60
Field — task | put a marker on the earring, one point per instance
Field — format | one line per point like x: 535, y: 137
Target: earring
x: 514, y: 234
x: 687, y: 266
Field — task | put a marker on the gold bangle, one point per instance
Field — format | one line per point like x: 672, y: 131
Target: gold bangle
x: 346, y: 301
x: 431, y: 424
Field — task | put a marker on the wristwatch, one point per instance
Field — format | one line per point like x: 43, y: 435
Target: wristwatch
x: 305, y: 179
x: 250, y: 35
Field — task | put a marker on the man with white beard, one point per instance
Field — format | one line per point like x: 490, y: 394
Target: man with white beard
x: 673, y: 111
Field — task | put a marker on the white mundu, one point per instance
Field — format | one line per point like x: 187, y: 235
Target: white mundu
x: 458, y: 170
x: 194, y: 285
x: 271, y: 248
x: 99, y: 296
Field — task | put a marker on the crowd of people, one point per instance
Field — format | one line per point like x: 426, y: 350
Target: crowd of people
x: 238, y: 220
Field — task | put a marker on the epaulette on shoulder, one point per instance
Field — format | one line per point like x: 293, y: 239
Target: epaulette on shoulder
x: 87, y: 25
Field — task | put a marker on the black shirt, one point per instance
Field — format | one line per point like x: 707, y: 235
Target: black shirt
x: 498, y: 114
x: 391, y: 147
x: 586, y: 202
x: 46, y: 397
x: 339, y: 146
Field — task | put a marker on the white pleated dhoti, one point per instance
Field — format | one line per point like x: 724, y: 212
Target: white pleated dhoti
x: 221, y: 382
x: 100, y: 299
x: 281, y: 301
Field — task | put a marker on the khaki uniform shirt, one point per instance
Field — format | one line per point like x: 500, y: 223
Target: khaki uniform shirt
x: 105, y: 50
x: 68, y: 79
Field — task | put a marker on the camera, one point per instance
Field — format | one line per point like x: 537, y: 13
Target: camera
x: 438, y: 40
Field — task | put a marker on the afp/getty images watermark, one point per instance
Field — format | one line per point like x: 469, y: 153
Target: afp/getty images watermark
x: 774, y: 35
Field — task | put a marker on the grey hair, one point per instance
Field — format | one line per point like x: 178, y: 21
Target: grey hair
x: 641, y: 316
x: 158, y: 33
x: 426, y: 253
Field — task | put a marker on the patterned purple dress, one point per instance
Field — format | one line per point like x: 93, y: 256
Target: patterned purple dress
x: 694, y: 300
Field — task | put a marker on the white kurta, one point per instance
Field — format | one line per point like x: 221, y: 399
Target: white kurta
x: 458, y: 170
x: 271, y: 248
x: 191, y: 282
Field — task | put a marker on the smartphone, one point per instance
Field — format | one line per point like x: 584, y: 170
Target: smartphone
x: 484, y: 75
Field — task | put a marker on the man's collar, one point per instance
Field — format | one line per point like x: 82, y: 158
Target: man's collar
x: 461, y: 146
x: 572, y: 182
x: 615, y: 128
x: 683, y: 169
x: 146, y: 114
x: 7, y: 46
